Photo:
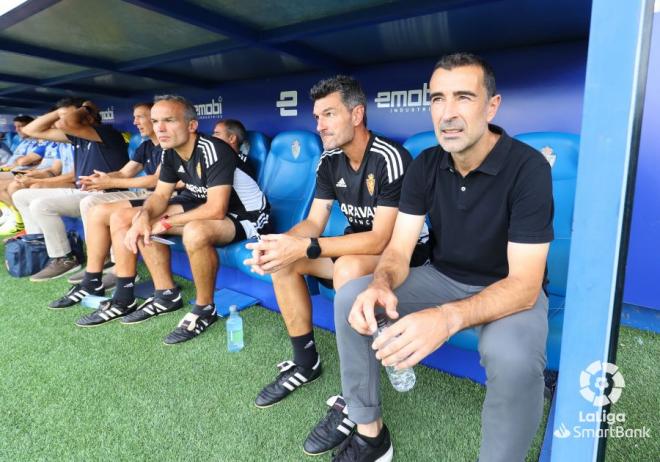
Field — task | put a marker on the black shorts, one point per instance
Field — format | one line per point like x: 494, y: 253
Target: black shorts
x: 184, y: 202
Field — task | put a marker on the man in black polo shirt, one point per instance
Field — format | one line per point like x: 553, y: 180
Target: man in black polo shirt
x: 364, y: 173
x: 220, y: 195
x: 489, y: 200
x: 96, y: 147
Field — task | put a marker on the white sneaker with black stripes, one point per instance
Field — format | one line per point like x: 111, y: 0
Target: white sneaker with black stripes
x: 75, y: 295
x: 290, y: 378
x: 108, y: 310
x: 331, y: 430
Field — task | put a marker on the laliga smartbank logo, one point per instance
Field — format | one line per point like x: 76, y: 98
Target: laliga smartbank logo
x: 210, y: 110
x: 601, y: 384
x: 415, y: 100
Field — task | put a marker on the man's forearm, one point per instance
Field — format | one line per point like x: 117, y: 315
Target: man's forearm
x: 39, y: 126
x: 392, y: 269
x: 503, y: 298
x: 305, y: 228
x: 119, y: 182
x: 66, y: 178
x: 365, y: 243
x: 203, y: 212
x: 154, y: 206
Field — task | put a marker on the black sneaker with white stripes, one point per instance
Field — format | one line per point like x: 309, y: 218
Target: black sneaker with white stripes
x: 107, y: 311
x: 331, y: 430
x: 74, y: 295
x: 153, y: 307
x: 190, y: 327
x: 290, y: 378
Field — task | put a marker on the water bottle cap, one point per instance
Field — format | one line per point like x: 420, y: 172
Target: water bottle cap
x: 233, y: 309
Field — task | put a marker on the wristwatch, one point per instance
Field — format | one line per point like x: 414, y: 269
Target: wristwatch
x: 314, y: 249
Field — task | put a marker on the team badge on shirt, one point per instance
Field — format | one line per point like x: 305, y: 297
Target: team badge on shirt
x: 371, y: 183
x: 199, y: 170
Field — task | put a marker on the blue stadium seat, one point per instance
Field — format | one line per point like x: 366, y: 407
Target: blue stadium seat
x: 288, y: 182
x: 419, y: 142
x: 258, y: 145
x: 15, y: 141
x: 564, y: 174
x: 135, y: 141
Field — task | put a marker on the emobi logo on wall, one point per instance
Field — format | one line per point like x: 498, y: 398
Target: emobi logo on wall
x: 601, y: 384
x: 210, y: 109
x: 288, y: 103
x: 413, y: 100
x: 108, y: 115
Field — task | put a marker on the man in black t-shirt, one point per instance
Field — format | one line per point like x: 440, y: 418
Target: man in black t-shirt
x: 221, y: 203
x: 489, y: 201
x: 96, y: 147
x: 96, y: 209
x: 363, y: 172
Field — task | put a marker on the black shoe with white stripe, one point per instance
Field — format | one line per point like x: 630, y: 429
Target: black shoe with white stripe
x: 290, y: 378
x: 74, y: 295
x: 357, y: 449
x: 107, y: 311
x: 153, y: 307
x: 190, y: 327
x: 331, y: 430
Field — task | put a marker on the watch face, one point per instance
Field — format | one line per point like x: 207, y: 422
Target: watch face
x: 314, y: 250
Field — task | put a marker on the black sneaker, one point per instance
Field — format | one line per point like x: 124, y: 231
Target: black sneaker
x: 331, y: 430
x: 74, y: 295
x: 153, y: 307
x: 190, y: 327
x: 291, y: 376
x: 355, y: 449
x: 108, y: 310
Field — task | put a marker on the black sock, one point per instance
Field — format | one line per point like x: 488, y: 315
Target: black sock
x: 304, y: 350
x: 203, y: 310
x: 374, y: 441
x: 91, y: 280
x: 124, y: 291
x: 167, y: 294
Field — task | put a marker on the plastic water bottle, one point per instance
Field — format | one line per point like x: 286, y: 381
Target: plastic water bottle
x: 401, y: 379
x: 234, y: 330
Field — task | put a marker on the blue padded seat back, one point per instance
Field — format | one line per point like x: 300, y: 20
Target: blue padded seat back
x: 419, y: 142
x: 566, y: 147
x: 337, y: 222
x: 133, y: 143
x: 257, y: 146
x: 289, y: 176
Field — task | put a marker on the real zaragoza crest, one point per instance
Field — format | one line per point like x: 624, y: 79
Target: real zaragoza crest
x: 199, y: 169
x: 371, y: 184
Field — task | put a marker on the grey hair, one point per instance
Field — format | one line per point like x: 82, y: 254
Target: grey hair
x: 189, y: 112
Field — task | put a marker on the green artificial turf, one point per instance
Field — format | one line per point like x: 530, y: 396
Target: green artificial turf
x: 117, y: 392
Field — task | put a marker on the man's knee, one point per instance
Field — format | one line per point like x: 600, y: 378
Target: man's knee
x: 96, y: 212
x: 87, y: 204
x: 345, y: 297
x: 121, y: 219
x: 294, y: 269
x: 346, y: 269
x: 512, y: 370
x: 197, y: 235
x: 21, y: 197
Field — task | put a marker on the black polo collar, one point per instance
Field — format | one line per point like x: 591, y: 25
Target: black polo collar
x: 495, y: 159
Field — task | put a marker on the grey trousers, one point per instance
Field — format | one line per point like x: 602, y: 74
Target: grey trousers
x: 512, y: 351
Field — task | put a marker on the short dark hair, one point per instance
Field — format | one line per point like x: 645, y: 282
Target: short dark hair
x: 147, y: 104
x: 449, y: 62
x: 23, y: 119
x: 235, y: 127
x: 348, y: 88
x: 189, y: 111
x: 68, y: 102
